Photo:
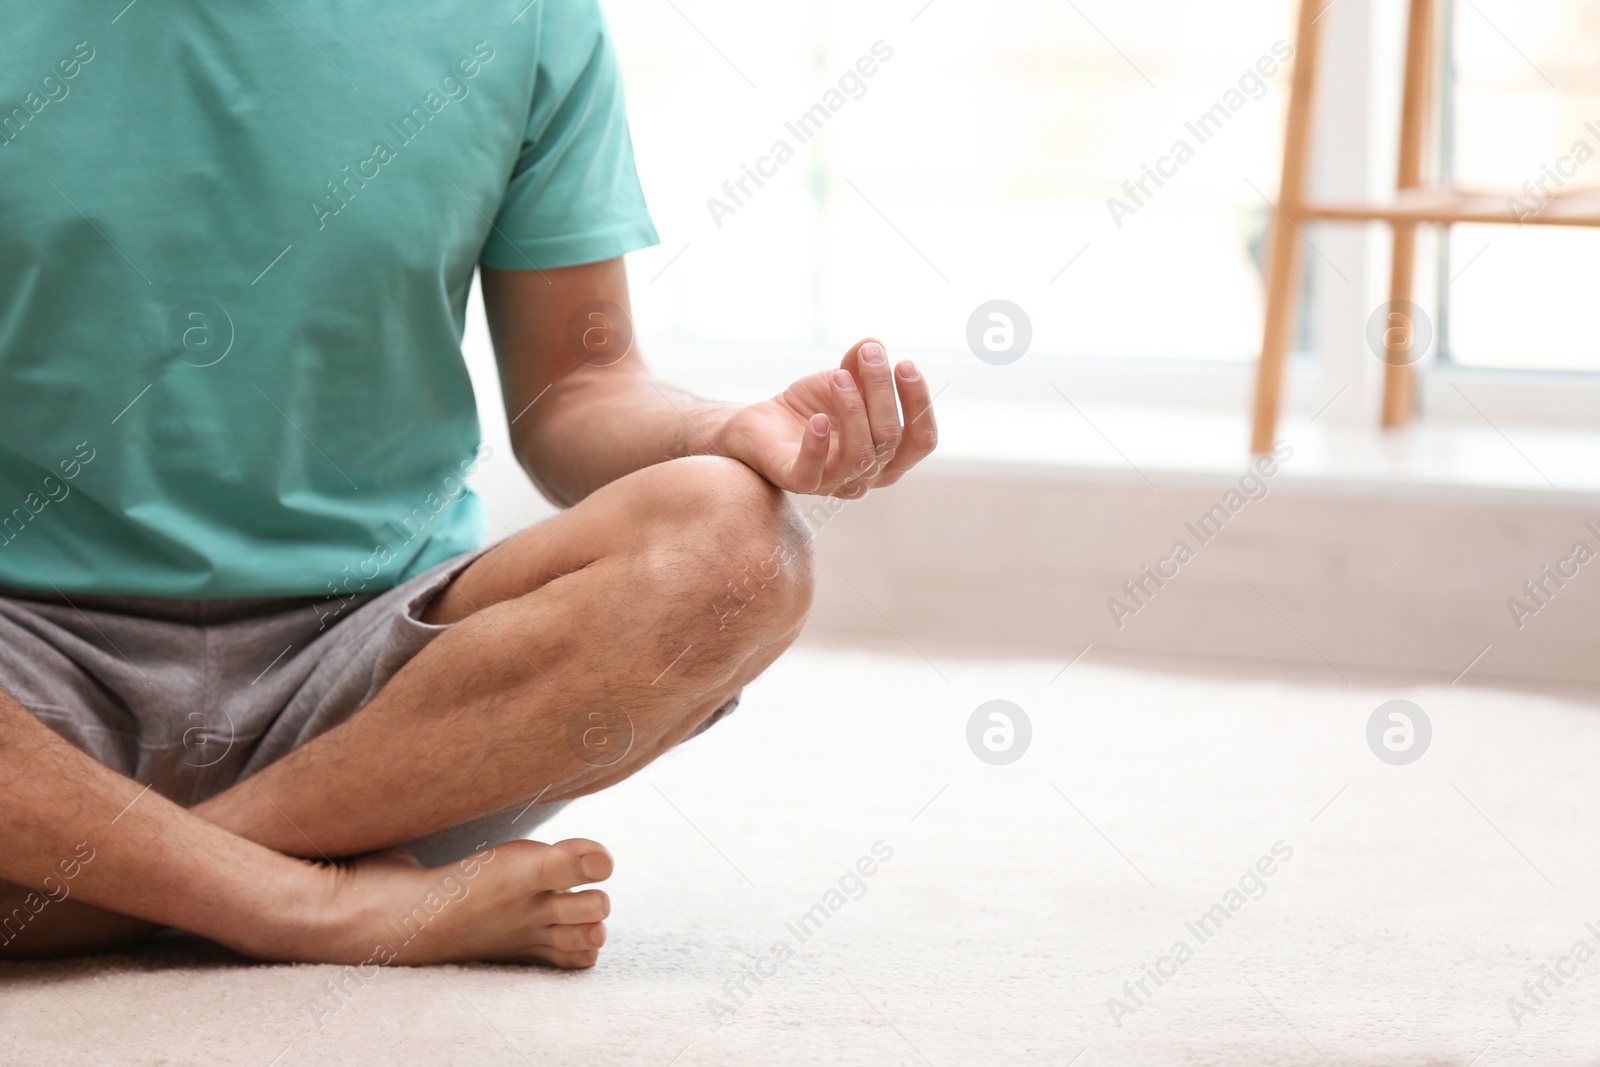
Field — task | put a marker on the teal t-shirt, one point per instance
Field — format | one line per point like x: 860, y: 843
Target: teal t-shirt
x: 236, y: 243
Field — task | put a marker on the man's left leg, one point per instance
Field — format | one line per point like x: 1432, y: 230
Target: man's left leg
x: 639, y: 612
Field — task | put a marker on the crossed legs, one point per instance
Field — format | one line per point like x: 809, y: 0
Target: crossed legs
x: 625, y: 601
x: 649, y: 604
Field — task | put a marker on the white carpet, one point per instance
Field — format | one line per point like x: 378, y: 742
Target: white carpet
x: 1015, y: 904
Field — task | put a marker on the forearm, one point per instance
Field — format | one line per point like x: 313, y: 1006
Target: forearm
x: 73, y: 828
x: 596, y: 428
x: 584, y: 410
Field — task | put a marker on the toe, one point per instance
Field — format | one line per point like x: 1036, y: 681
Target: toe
x: 571, y: 960
x: 591, y: 905
x: 576, y: 861
x: 585, y: 938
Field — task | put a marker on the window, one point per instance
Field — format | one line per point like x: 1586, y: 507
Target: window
x: 960, y: 155
x: 1522, y: 105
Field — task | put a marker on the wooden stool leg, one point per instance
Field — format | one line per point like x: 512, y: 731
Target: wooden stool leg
x: 1283, y: 292
x: 1284, y: 254
x: 1399, y: 379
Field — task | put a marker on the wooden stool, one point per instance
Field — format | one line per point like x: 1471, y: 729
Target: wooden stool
x: 1413, y: 203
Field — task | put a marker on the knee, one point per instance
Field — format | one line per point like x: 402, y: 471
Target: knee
x: 747, y: 546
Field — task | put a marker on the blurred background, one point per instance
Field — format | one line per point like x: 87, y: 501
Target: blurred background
x: 979, y: 160
x: 999, y: 158
x: 1163, y: 722
x: 1343, y: 751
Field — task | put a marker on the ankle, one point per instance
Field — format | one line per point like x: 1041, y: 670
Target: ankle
x: 305, y: 915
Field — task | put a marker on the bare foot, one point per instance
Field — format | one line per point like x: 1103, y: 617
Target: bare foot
x: 511, y: 903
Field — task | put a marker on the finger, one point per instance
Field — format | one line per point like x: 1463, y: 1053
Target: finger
x: 811, y: 462
x: 869, y: 362
x: 855, y: 457
x: 921, y: 431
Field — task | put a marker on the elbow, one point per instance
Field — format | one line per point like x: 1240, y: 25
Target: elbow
x: 543, y: 479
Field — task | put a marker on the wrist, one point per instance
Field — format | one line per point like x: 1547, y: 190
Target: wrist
x: 712, y: 431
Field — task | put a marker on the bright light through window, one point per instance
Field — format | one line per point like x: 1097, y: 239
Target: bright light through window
x: 1527, y: 96
x: 959, y: 156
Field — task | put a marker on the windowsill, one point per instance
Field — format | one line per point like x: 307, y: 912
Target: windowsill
x: 1177, y: 423
x: 1172, y: 448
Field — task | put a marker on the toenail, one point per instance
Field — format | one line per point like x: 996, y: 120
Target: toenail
x: 593, y: 866
x: 872, y: 352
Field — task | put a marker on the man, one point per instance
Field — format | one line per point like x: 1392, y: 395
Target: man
x: 246, y: 630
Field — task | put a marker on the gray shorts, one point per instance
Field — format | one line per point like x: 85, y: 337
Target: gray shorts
x: 191, y: 696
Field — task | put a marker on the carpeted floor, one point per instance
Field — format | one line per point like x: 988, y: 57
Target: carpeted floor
x: 1406, y: 904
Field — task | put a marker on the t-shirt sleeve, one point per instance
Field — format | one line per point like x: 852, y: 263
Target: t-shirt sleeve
x: 574, y: 194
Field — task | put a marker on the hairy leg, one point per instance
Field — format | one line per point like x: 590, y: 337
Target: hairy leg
x: 660, y: 595
x: 33, y: 925
x: 79, y: 836
x: 514, y: 903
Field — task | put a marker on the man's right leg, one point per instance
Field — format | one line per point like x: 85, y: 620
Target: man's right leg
x: 638, y: 612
